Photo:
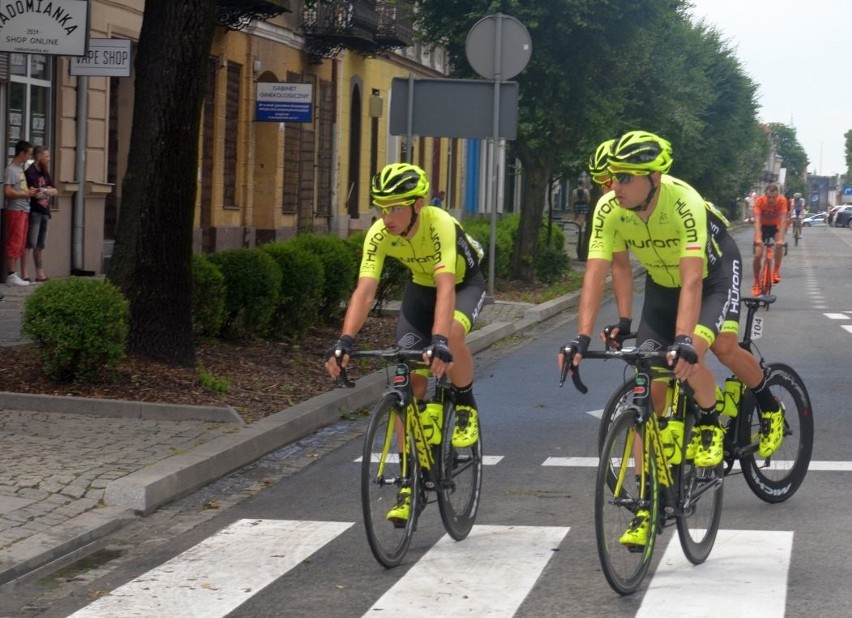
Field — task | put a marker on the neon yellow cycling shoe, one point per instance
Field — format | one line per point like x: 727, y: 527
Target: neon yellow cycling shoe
x: 400, y: 513
x: 637, y: 532
x: 466, y: 431
x: 710, y: 450
x: 694, y: 443
x: 771, y: 432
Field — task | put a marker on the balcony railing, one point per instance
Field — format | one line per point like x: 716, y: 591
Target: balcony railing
x: 394, y: 24
x: 237, y: 14
x: 364, y: 26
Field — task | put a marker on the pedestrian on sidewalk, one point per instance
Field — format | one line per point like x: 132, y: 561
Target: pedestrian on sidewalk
x: 38, y: 176
x: 17, y: 210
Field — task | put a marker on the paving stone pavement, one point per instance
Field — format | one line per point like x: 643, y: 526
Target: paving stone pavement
x: 71, y: 471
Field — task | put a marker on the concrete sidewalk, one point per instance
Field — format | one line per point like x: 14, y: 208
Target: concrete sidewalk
x: 72, y: 470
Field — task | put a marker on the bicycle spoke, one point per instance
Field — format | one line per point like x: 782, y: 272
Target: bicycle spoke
x: 387, y: 471
x: 622, y: 491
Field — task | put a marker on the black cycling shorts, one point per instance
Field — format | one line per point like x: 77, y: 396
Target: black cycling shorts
x: 417, y: 313
x: 720, y: 303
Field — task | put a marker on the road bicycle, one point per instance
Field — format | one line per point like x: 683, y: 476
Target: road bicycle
x: 797, y: 230
x: 767, y: 266
x: 772, y: 479
x: 646, y: 470
x: 408, y: 452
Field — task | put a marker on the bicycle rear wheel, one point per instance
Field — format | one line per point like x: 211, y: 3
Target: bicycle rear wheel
x: 779, y: 476
x: 766, y: 277
x: 461, y: 479
x: 388, y: 466
x: 618, y: 402
x: 619, y: 495
x: 699, y: 503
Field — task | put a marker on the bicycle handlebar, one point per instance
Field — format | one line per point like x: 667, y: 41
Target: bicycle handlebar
x: 631, y: 356
x: 387, y: 354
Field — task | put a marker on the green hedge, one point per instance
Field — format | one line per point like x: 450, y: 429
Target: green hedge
x: 79, y: 326
x: 302, y: 288
x: 253, y: 289
x: 339, y: 268
x: 208, y: 297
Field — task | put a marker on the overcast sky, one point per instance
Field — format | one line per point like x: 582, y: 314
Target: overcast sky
x: 798, y: 52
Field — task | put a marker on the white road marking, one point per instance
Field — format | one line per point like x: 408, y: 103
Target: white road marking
x: 748, y: 570
x: 487, y: 460
x: 220, y: 573
x: 596, y: 413
x: 814, y: 466
x: 836, y: 316
x: 572, y: 462
x: 847, y: 327
x: 507, y: 561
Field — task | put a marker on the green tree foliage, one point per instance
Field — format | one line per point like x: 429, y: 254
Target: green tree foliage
x: 600, y: 68
x: 792, y: 154
x: 848, y: 136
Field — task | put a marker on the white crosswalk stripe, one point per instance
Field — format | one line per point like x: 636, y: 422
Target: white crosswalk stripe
x: 508, y: 559
x: 225, y: 570
x: 750, y: 566
x: 220, y: 573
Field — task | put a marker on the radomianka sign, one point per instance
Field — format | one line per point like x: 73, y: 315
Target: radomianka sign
x: 55, y: 27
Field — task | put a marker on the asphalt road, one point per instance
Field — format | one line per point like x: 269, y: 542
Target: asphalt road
x: 284, y: 537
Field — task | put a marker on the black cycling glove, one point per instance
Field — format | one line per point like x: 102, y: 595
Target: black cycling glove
x: 683, y: 348
x: 624, y: 325
x: 580, y: 345
x: 440, y: 349
x: 342, y: 347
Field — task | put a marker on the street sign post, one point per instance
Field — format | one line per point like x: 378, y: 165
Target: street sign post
x: 498, y: 47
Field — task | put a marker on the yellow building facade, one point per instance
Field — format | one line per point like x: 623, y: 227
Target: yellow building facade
x: 258, y: 181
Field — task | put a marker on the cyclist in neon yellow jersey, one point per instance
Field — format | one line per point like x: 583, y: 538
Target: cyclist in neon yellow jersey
x: 692, y: 287
x: 441, y: 302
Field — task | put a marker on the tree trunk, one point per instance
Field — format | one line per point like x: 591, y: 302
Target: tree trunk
x: 535, y: 179
x: 153, y: 249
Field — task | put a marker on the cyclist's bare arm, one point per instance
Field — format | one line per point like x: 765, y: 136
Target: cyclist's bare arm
x: 445, y: 308
x: 356, y: 314
x: 689, y: 306
x: 622, y: 283
x: 590, y: 298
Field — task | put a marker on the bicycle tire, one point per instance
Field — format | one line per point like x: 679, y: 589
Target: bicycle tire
x: 777, y: 478
x: 766, y: 278
x: 382, y: 478
x: 460, y: 479
x: 617, y: 403
x: 699, y: 503
x: 616, y: 504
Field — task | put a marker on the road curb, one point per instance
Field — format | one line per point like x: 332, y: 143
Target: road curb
x: 119, y: 408
x: 45, y: 547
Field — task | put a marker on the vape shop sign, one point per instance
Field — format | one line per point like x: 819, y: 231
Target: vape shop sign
x: 284, y: 102
x: 54, y: 27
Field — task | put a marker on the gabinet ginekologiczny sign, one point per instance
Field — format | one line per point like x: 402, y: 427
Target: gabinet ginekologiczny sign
x: 53, y: 27
x: 284, y: 102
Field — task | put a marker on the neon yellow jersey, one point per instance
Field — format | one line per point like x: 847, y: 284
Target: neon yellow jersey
x: 438, y: 246
x: 681, y: 225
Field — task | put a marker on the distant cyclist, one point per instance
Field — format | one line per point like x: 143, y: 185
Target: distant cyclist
x: 691, y: 287
x: 440, y: 304
x: 770, y: 221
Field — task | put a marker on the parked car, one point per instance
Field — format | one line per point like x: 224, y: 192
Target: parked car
x: 835, y: 211
x: 843, y: 217
x: 815, y: 220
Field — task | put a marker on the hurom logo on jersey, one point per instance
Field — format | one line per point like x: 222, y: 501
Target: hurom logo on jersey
x: 53, y: 27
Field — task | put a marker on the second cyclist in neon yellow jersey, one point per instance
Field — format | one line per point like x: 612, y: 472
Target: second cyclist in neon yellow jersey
x: 682, y: 225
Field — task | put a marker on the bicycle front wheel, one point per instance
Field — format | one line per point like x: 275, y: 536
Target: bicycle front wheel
x: 778, y: 477
x: 699, y: 503
x: 461, y: 479
x: 621, y: 492
x: 766, y: 277
x: 618, y: 403
x: 390, y: 475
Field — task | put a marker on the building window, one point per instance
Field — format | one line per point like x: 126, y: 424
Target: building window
x: 30, y: 101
